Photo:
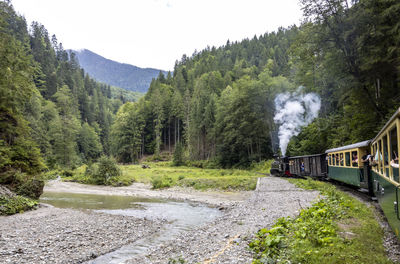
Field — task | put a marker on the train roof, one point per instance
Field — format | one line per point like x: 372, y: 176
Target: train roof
x: 352, y: 146
x: 397, y: 113
x: 306, y: 156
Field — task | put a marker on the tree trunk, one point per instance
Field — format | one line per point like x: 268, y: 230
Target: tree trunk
x: 175, y: 136
x: 179, y: 133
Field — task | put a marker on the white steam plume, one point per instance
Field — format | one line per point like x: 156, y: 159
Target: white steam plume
x: 293, y: 111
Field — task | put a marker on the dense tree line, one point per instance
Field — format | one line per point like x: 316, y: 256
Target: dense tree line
x: 52, y: 114
x: 219, y: 102
x: 348, y: 52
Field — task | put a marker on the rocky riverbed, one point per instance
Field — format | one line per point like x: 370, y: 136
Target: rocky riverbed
x: 210, y: 197
x: 52, y: 235
x: 226, y: 239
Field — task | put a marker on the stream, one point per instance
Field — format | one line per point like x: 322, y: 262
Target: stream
x: 180, y: 216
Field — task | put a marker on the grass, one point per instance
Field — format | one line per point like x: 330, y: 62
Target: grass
x: 335, y: 229
x: 163, y: 175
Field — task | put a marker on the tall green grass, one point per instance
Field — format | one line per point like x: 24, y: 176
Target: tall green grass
x: 200, y: 175
x: 163, y: 175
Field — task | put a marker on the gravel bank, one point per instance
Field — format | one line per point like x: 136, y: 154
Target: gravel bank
x: 213, y: 198
x: 51, y: 235
x: 226, y: 239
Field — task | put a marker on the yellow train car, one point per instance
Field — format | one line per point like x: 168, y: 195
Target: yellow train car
x: 385, y: 149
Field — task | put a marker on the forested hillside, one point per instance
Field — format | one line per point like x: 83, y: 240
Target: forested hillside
x: 219, y: 102
x: 52, y: 114
x: 114, y: 73
x: 349, y: 53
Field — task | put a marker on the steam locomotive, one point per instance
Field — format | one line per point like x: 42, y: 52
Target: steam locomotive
x: 371, y: 165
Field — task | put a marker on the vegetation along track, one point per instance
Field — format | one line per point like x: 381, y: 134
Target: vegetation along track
x: 391, y: 243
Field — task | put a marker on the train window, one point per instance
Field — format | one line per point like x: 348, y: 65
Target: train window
x: 329, y: 159
x: 354, y: 158
x: 385, y: 150
x: 341, y: 159
x: 373, y: 154
x: 337, y: 159
x: 347, y: 158
x: 394, y: 160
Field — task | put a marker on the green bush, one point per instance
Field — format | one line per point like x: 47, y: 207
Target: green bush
x: 15, y: 204
x: 262, y: 166
x: 158, y: 182
x: 23, y: 184
x: 30, y: 188
x: 107, y: 169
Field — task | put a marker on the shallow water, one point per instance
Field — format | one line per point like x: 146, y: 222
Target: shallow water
x: 181, y: 216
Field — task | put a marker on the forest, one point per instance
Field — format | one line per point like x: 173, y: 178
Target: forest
x: 220, y: 102
x: 216, y: 107
x: 52, y: 114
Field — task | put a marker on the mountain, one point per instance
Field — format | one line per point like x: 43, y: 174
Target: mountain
x: 114, y: 73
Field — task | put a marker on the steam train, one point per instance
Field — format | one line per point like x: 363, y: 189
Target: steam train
x: 371, y: 165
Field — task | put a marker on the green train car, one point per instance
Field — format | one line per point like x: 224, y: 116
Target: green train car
x: 372, y: 165
x: 379, y: 174
x: 345, y: 164
x: 385, y: 170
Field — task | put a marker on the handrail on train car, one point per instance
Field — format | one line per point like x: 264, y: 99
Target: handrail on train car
x: 396, y: 205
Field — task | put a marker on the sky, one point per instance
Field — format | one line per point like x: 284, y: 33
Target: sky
x: 156, y: 33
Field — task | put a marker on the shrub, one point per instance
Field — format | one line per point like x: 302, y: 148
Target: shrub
x: 15, y: 204
x: 161, y: 182
x: 262, y: 166
x: 106, y: 170
x: 23, y: 184
x: 30, y: 188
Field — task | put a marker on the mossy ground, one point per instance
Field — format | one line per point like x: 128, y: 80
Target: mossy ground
x: 336, y: 229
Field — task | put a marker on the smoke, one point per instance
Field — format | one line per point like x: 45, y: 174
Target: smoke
x: 293, y: 111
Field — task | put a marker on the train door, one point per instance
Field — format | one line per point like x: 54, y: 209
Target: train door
x: 364, y: 170
x: 314, y: 169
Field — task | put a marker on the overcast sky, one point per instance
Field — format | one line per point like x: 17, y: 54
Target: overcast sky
x: 156, y: 33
